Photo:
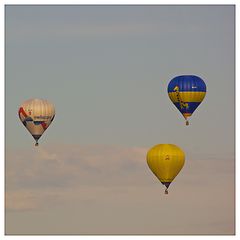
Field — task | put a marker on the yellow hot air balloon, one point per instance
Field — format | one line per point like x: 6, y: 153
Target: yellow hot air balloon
x: 36, y: 115
x: 165, y: 161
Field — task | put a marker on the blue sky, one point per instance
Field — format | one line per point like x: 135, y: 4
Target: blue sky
x: 106, y: 69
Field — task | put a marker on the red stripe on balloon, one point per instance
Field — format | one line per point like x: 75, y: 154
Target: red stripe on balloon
x: 22, y: 111
x: 44, y: 125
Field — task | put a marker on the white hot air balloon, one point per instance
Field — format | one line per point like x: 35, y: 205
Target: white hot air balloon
x: 36, y: 115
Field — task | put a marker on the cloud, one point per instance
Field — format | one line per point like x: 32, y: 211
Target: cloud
x: 20, y: 200
x: 60, y: 168
x: 109, y: 189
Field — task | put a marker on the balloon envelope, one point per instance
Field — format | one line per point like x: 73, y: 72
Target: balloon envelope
x: 186, y: 92
x: 36, y: 115
x: 165, y: 161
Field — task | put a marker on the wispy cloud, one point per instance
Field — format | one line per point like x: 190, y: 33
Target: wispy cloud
x: 69, y: 167
x: 112, y: 188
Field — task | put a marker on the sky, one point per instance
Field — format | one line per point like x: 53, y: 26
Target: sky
x: 106, y: 69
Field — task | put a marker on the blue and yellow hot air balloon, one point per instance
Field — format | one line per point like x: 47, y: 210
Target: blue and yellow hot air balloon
x: 165, y: 161
x: 186, y: 92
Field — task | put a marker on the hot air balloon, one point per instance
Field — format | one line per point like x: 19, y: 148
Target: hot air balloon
x: 186, y: 92
x: 36, y: 115
x: 165, y: 161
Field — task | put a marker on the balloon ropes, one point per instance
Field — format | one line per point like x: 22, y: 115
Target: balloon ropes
x: 165, y: 161
x: 186, y: 92
x: 36, y: 115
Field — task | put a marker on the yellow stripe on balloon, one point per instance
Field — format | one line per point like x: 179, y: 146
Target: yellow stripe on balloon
x: 186, y: 114
x: 187, y: 96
